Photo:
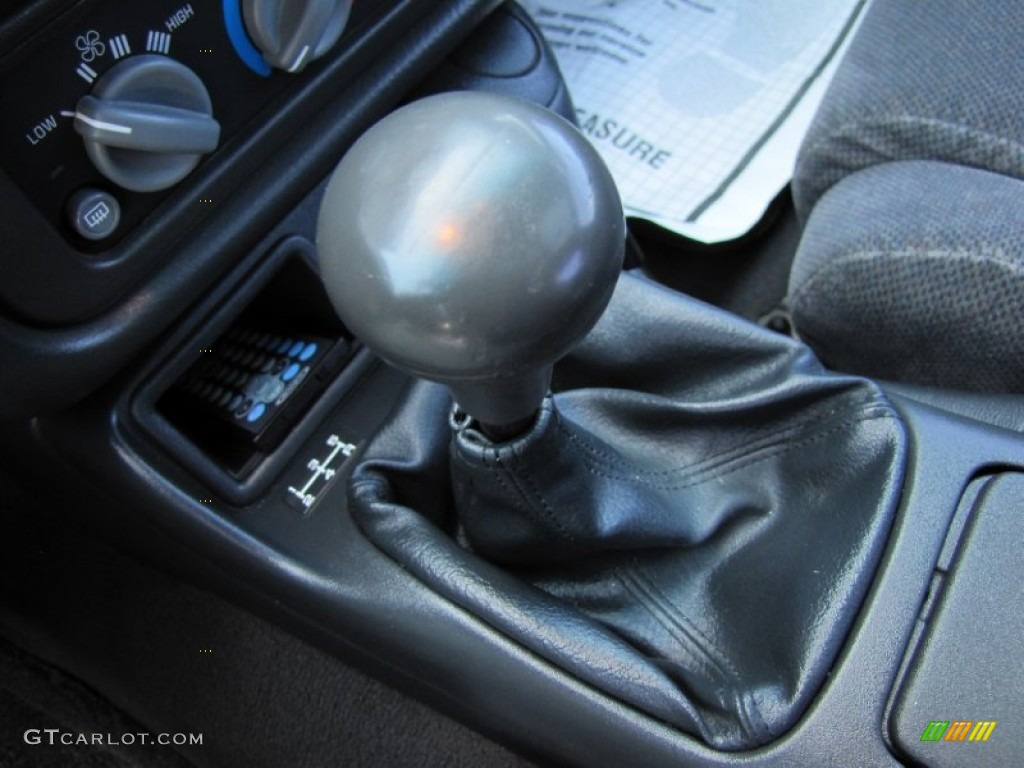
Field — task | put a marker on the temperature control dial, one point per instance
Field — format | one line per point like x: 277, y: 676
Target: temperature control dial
x: 147, y: 123
x: 291, y: 33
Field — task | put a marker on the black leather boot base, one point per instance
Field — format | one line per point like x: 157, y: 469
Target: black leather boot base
x: 691, y: 524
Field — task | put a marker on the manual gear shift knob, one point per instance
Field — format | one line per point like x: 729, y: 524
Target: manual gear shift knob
x: 472, y: 239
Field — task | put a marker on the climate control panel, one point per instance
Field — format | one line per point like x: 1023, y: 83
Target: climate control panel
x: 116, y: 104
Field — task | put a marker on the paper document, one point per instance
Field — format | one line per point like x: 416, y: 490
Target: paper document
x: 697, y: 106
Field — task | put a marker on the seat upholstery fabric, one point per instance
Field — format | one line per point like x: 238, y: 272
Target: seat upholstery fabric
x: 942, y: 80
x: 910, y: 185
x: 915, y: 272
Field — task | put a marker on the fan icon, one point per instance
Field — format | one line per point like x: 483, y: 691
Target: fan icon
x: 90, y: 45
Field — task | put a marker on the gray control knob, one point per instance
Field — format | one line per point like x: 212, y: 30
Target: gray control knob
x: 147, y: 123
x: 291, y: 33
x: 472, y: 239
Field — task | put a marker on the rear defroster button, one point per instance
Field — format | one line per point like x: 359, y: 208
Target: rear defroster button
x: 93, y: 213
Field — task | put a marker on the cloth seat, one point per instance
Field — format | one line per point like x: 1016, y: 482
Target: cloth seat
x: 910, y: 189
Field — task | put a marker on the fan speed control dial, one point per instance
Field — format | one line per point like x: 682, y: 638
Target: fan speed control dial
x: 147, y: 123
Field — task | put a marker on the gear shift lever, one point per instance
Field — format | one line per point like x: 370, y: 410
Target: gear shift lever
x: 473, y: 239
x: 690, y: 523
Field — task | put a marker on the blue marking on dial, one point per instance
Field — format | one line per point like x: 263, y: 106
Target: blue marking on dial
x: 243, y: 46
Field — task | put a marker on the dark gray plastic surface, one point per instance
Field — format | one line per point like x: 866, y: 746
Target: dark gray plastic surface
x: 967, y: 671
x: 507, y: 54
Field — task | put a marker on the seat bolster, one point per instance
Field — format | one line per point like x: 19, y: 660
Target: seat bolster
x: 914, y: 271
x: 941, y: 80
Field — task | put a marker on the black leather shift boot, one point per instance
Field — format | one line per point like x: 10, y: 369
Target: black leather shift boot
x: 690, y: 526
